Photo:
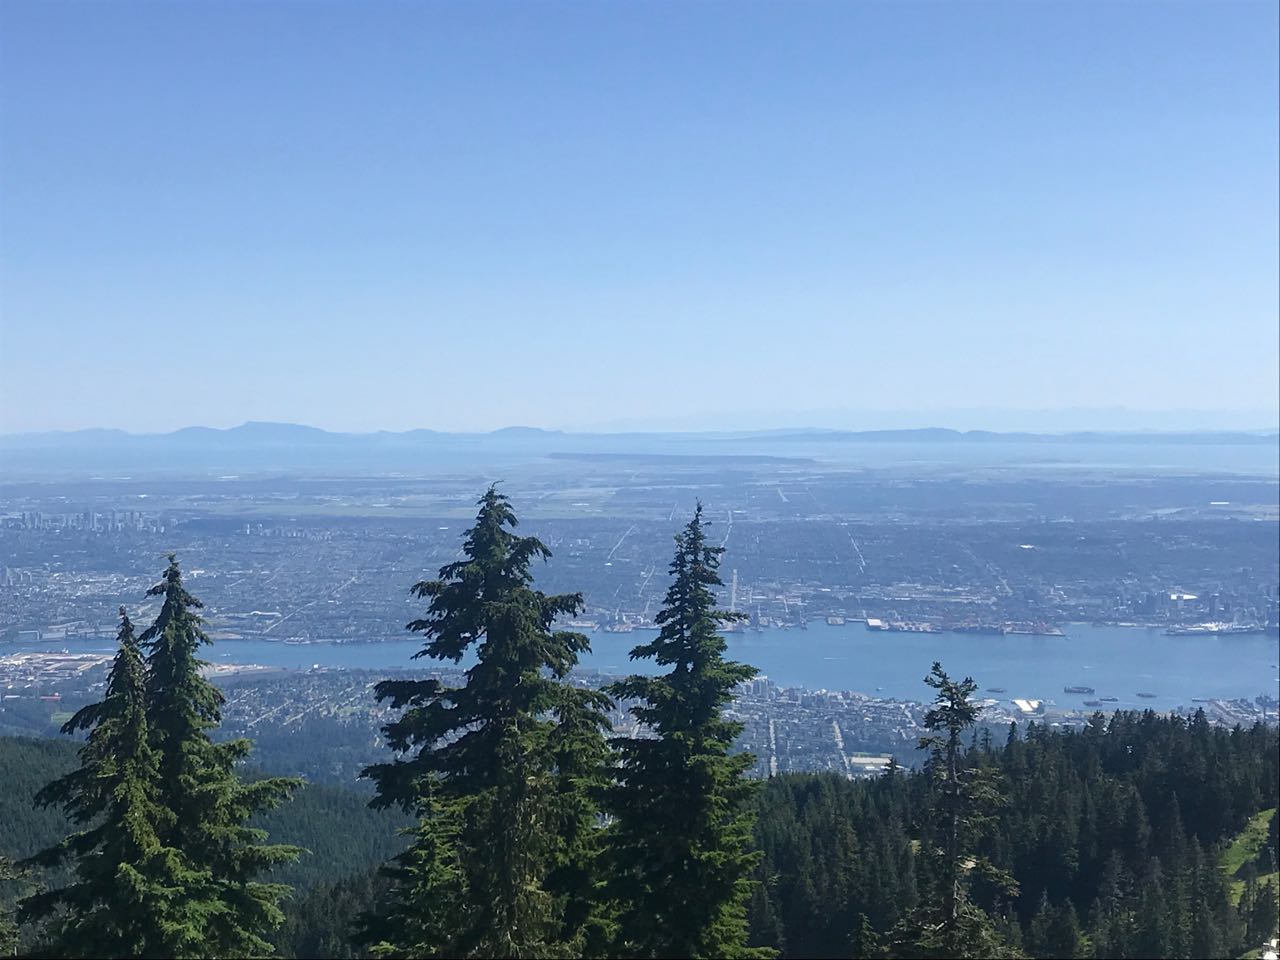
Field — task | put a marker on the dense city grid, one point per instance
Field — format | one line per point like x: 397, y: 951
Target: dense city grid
x: 305, y: 559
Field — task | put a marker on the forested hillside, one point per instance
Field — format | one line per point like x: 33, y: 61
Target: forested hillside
x: 336, y: 828
x: 1121, y: 839
x: 1112, y: 835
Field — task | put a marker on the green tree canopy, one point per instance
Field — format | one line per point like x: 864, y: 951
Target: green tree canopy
x: 199, y: 785
x: 947, y: 921
x: 132, y: 895
x: 498, y: 770
x: 680, y: 845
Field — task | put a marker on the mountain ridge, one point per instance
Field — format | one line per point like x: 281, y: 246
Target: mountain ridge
x: 266, y: 430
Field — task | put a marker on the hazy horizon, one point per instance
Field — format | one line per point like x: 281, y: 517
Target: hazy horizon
x: 1009, y: 421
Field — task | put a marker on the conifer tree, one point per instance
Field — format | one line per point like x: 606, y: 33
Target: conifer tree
x: 8, y: 927
x: 866, y: 942
x: 1269, y: 856
x: 680, y: 846
x: 581, y: 757
x: 1259, y: 911
x: 1154, y: 933
x: 209, y: 805
x: 947, y: 922
x: 132, y: 895
x: 420, y: 919
x: 508, y: 758
x: 1064, y: 933
x: 1037, y: 940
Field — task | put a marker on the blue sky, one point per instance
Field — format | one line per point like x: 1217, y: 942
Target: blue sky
x: 463, y: 216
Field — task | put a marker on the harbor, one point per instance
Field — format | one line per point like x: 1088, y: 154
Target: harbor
x: 1120, y: 667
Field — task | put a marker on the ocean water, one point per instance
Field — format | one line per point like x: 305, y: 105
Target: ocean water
x: 1116, y: 661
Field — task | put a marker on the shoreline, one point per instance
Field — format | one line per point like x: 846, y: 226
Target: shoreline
x: 869, y: 624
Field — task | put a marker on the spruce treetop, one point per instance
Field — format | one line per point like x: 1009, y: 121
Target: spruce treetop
x: 199, y: 784
x: 498, y: 770
x: 701, y: 682
x: 184, y: 701
x: 128, y: 897
x: 684, y: 895
x: 484, y: 601
x: 947, y: 923
x: 953, y: 710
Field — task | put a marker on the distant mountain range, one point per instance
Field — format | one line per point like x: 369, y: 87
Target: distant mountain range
x: 256, y: 432
x: 258, y: 445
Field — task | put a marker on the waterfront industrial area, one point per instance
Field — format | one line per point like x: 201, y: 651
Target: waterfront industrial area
x: 786, y: 728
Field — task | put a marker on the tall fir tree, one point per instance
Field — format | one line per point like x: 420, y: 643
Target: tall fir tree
x: 1065, y: 942
x: 507, y: 760
x: 865, y: 941
x: 947, y: 923
x: 581, y: 757
x: 8, y: 925
x: 420, y: 918
x: 1259, y: 912
x: 680, y: 845
x: 131, y: 894
x: 210, y: 805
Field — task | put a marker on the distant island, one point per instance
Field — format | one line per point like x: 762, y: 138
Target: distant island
x: 256, y: 434
x: 258, y: 446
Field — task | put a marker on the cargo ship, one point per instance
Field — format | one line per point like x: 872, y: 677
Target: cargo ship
x: 987, y: 629
x: 1214, y: 629
x: 1033, y: 629
x: 1018, y: 628
x: 1077, y: 689
x: 901, y: 626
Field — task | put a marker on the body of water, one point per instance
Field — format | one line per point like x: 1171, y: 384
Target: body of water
x: 1117, y: 662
